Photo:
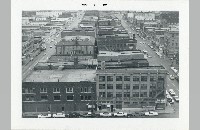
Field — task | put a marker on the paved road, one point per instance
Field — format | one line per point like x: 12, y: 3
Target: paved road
x: 155, y: 60
x: 43, y: 56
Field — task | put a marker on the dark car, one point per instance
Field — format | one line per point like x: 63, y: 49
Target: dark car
x: 88, y: 115
x: 138, y: 114
x: 74, y: 115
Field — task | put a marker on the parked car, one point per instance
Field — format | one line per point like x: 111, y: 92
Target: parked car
x: 50, y: 46
x: 105, y: 114
x: 138, y: 114
x: 88, y: 115
x: 73, y: 115
x: 171, y: 92
x: 120, y: 114
x: 149, y: 56
x: 171, y: 101
x: 151, y: 113
x: 59, y: 115
x: 176, y: 98
x: 44, y: 115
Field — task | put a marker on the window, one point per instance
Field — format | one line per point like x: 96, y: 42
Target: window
x: 161, y: 78
x: 118, y: 94
x: 136, y: 78
x: 143, y: 86
x: 56, y: 90
x: 102, y: 86
x: 82, y: 97
x: 44, y: 98
x: 118, y: 78
x: 126, y: 94
x: 126, y: 103
x: 70, y: 98
x: 69, y: 90
x: 143, y: 94
x: 56, y: 98
x: 109, y: 94
x: 135, y: 86
x: 152, y: 86
x: 81, y: 90
x: 109, y: 86
x: 135, y: 94
x: 85, y: 89
x: 135, y: 103
x: 118, y: 86
x: 109, y: 78
x: 176, y: 44
x: 89, y: 97
x: 152, y: 78
x: 126, y: 86
x: 43, y: 90
x: 143, y: 78
x: 102, y: 94
x: 126, y: 78
x: 101, y: 78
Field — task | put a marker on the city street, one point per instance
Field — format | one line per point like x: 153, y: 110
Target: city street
x: 46, y: 54
x: 155, y: 60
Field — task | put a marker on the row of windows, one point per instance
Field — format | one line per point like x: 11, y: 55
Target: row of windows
x: 125, y: 94
x: 127, y: 86
x: 58, y: 98
x: 57, y: 90
x: 127, y: 78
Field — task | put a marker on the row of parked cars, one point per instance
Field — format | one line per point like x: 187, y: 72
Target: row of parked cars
x: 98, y: 115
x: 171, y: 96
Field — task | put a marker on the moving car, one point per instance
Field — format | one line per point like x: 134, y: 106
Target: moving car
x: 59, y: 115
x: 105, y: 114
x: 120, y: 114
x: 44, y: 115
x: 151, y: 113
x: 176, y: 98
x: 172, y: 77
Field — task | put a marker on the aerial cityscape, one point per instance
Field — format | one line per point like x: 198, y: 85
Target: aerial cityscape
x: 100, y: 64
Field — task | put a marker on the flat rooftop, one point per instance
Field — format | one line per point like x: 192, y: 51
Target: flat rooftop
x: 67, y: 75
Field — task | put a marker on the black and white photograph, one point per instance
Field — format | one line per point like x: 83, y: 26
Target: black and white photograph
x: 99, y: 64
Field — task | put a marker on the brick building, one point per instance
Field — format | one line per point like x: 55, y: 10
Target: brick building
x: 57, y: 91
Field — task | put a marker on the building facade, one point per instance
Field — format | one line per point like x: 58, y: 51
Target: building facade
x: 131, y: 88
x: 58, y: 96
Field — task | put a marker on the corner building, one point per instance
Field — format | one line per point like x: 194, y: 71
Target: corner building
x: 128, y: 88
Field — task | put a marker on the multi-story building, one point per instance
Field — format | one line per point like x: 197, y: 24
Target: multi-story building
x: 49, y: 13
x: 172, y: 43
x: 76, y: 46
x: 59, y: 91
x: 79, y: 32
x: 126, y: 88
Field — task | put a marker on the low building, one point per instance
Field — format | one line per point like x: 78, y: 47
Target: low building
x: 129, y: 88
x: 59, y: 91
x: 79, y: 32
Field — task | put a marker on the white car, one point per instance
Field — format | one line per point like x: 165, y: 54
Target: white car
x: 120, y: 114
x: 172, y: 77
x: 151, y: 113
x: 149, y: 56
x: 171, y: 92
x: 105, y: 114
x: 44, y: 115
x: 176, y: 98
x: 59, y: 115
